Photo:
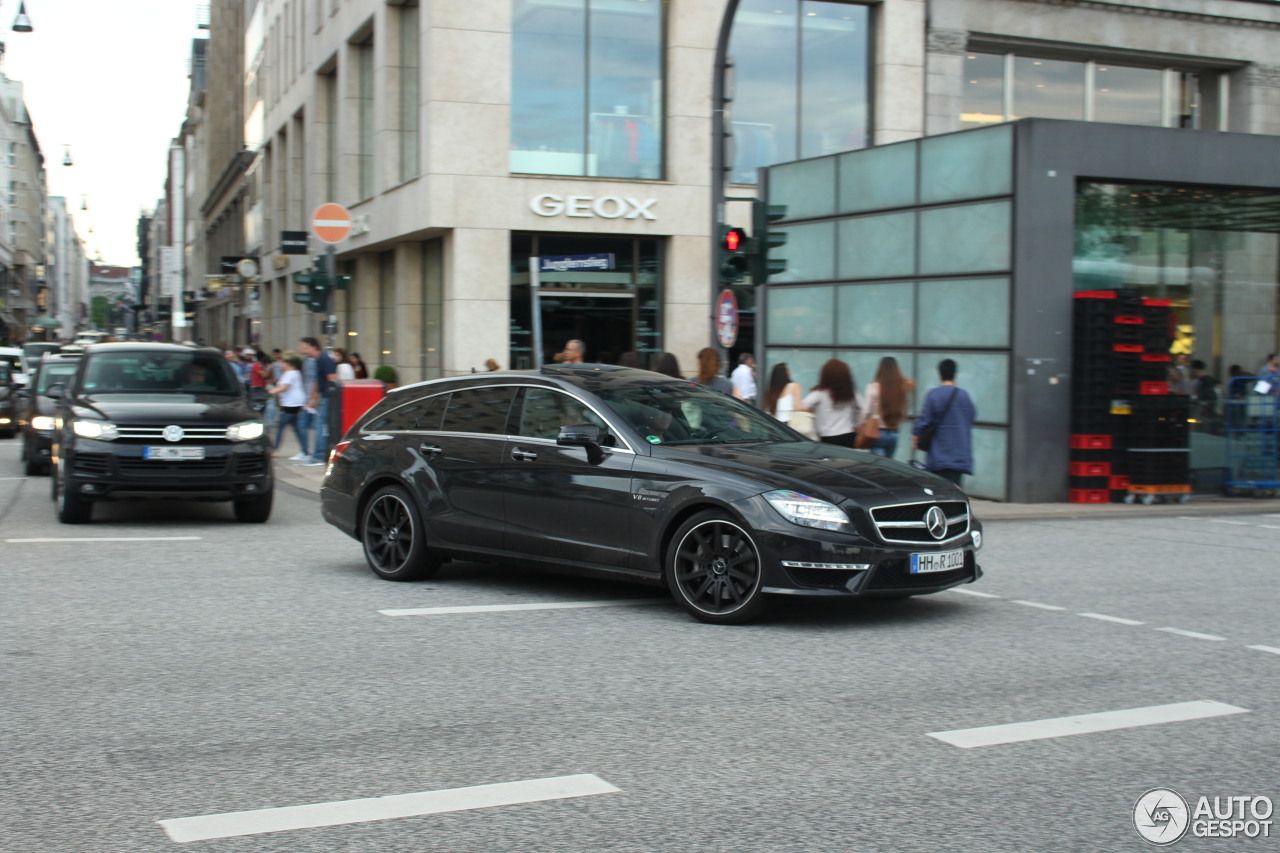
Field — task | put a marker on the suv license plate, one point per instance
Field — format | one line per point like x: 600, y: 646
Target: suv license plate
x: 196, y: 453
x: 943, y: 562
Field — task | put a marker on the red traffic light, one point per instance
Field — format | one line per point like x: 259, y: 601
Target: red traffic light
x: 734, y: 238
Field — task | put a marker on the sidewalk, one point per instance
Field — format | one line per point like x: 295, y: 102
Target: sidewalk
x: 310, y: 479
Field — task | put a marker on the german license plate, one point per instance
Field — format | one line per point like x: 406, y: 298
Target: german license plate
x: 174, y: 453
x: 941, y: 562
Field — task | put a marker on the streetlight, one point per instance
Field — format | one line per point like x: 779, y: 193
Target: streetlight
x: 22, y: 24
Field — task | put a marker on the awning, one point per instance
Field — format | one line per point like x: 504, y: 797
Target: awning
x: 46, y: 322
x: 8, y: 319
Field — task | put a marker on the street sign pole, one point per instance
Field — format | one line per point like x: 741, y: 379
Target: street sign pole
x: 535, y: 282
x: 331, y: 270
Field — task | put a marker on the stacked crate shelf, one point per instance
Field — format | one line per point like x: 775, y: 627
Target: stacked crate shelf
x: 1128, y: 433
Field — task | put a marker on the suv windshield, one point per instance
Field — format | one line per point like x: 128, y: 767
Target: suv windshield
x: 51, y: 373
x: 681, y: 413
x: 158, y: 372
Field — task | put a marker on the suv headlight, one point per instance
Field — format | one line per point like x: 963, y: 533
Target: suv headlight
x: 245, y: 431
x: 101, y: 430
x: 43, y: 423
x: 806, y: 511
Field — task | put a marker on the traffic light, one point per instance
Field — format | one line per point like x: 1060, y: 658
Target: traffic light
x: 732, y: 250
x: 766, y: 238
x: 317, y: 285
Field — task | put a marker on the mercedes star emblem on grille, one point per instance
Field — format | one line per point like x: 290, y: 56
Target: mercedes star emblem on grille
x: 173, y: 433
x: 935, y: 520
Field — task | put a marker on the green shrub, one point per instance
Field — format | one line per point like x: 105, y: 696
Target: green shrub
x: 385, y: 373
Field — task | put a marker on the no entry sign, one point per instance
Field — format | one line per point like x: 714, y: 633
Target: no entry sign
x: 331, y: 223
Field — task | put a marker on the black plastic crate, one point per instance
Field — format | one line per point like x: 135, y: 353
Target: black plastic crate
x: 1090, y: 482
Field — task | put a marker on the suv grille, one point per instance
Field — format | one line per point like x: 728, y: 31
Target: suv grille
x: 156, y: 433
x: 138, y: 465
x: 91, y: 464
x: 906, y: 522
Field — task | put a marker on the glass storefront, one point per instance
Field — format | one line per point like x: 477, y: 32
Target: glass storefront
x: 586, y: 88
x: 800, y: 82
x: 1214, y: 252
x: 613, y: 311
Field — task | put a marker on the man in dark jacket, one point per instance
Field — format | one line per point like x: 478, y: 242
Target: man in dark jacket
x: 950, y: 454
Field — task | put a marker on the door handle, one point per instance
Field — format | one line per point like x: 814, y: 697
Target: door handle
x: 430, y: 449
x: 523, y: 455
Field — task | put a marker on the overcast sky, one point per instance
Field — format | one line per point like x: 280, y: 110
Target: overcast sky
x: 108, y: 79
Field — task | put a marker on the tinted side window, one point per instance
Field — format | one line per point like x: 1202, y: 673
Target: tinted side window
x: 482, y: 410
x: 546, y: 410
x: 421, y: 414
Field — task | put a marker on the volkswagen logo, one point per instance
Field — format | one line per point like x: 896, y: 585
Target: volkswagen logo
x: 173, y: 433
x: 935, y: 521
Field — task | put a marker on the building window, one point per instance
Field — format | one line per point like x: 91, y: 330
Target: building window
x: 327, y: 122
x: 587, y: 88
x: 408, y: 90
x: 362, y: 54
x: 1003, y: 87
x: 801, y: 82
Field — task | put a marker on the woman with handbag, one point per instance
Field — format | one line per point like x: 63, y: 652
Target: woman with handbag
x: 782, y: 400
x: 835, y: 404
x: 886, y: 406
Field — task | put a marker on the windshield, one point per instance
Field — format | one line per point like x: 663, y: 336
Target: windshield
x: 678, y: 413
x: 159, y: 372
x: 53, y: 373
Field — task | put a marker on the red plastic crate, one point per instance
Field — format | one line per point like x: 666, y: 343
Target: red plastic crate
x: 1130, y: 320
x: 1091, y: 469
x: 1095, y: 294
x: 1089, y: 496
x: 1119, y: 483
x: 1157, y: 303
x: 1147, y: 388
x: 1084, y: 441
x: 1157, y: 356
x: 1126, y: 347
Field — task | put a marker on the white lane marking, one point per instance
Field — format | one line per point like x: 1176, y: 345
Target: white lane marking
x: 1086, y: 723
x: 110, y: 539
x: 15, y: 478
x: 1269, y: 526
x: 1225, y: 521
x: 975, y: 592
x: 1115, y: 619
x: 1192, y: 634
x: 1037, y: 604
x: 1271, y: 649
x: 498, y: 608
x: 260, y: 821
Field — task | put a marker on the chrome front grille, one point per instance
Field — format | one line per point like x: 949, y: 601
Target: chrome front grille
x: 156, y: 433
x: 905, y: 523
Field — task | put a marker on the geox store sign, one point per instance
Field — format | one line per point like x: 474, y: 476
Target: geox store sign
x: 585, y: 206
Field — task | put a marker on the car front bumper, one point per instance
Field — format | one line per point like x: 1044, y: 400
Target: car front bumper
x: 103, y: 471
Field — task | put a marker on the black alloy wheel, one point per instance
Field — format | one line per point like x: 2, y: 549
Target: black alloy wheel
x: 34, y: 467
x: 713, y: 570
x: 394, y: 537
x: 71, y: 509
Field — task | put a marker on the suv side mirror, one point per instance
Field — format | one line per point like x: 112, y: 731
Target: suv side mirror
x: 55, y: 391
x: 582, y: 435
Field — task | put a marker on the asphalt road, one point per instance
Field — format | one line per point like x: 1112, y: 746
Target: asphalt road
x: 199, y: 667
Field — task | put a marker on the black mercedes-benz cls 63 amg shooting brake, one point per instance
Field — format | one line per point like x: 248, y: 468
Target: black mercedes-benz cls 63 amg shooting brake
x: 617, y: 470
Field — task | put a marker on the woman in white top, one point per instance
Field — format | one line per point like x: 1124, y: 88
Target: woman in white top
x: 782, y: 396
x: 343, y: 368
x: 292, y: 397
x: 837, y: 408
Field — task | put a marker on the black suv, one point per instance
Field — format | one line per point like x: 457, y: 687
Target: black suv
x: 143, y: 420
x: 36, y: 409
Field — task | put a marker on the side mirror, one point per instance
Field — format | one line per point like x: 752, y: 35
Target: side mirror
x: 55, y: 391
x: 582, y: 435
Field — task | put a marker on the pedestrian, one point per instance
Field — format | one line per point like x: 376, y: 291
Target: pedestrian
x: 574, y: 352
x: 835, y: 404
x: 668, y: 365
x: 744, y: 378
x: 1205, y: 398
x: 236, y: 364
x: 887, y: 402
x: 318, y: 370
x: 630, y: 358
x: 491, y: 364
x: 259, y: 372
x: 291, y: 396
x: 948, y: 413
x: 782, y: 397
x: 357, y: 362
x: 709, y: 371
x: 277, y: 365
x: 343, y: 368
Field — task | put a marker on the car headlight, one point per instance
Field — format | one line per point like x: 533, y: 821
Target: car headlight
x: 245, y: 431
x: 101, y: 430
x: 44, y: 423
x: 977, y: 540
x: 809, y: 512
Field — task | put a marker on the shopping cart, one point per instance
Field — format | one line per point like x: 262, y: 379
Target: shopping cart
x: 1252, y: 424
